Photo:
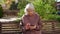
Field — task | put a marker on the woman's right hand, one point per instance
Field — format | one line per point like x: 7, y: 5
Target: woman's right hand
x: 27, y: 26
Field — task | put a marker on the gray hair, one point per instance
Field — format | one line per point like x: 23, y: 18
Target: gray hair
x: 16, y: 1
x: 29, y: 6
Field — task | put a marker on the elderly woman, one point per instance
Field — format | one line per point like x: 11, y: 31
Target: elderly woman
x: 31, y: 21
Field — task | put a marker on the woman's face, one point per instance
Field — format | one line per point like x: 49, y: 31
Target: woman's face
x: 30, y: 11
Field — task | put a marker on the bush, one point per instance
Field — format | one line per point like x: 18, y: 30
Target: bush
x: 21, y: 13
x: 58, y: 18
x: 45, y: 8
x: 13, y: 6
x: 1, y: 12
x: 21, y: 6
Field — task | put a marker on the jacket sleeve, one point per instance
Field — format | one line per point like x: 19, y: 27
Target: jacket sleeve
x: 22, y: 28
x: 24, y: 21
x: 39, y: 27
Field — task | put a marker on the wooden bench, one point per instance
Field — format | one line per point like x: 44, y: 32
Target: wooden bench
x: 10, y: 26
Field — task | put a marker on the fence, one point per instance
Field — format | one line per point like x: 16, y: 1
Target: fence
x: 51, y: 27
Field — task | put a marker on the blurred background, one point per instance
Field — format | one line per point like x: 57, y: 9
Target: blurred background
x: 49, y: 11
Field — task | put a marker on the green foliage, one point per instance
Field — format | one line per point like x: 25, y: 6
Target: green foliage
x: 21, y: 13
x: 45, y: 8
x: 1, y: 12
x: 58, y: 18
x: 1, y: 1
x: 13, y: 6
x: 21, y: 6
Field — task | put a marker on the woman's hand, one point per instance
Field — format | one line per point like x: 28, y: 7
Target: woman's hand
x: 27, y: 26
x: 33, y: 27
